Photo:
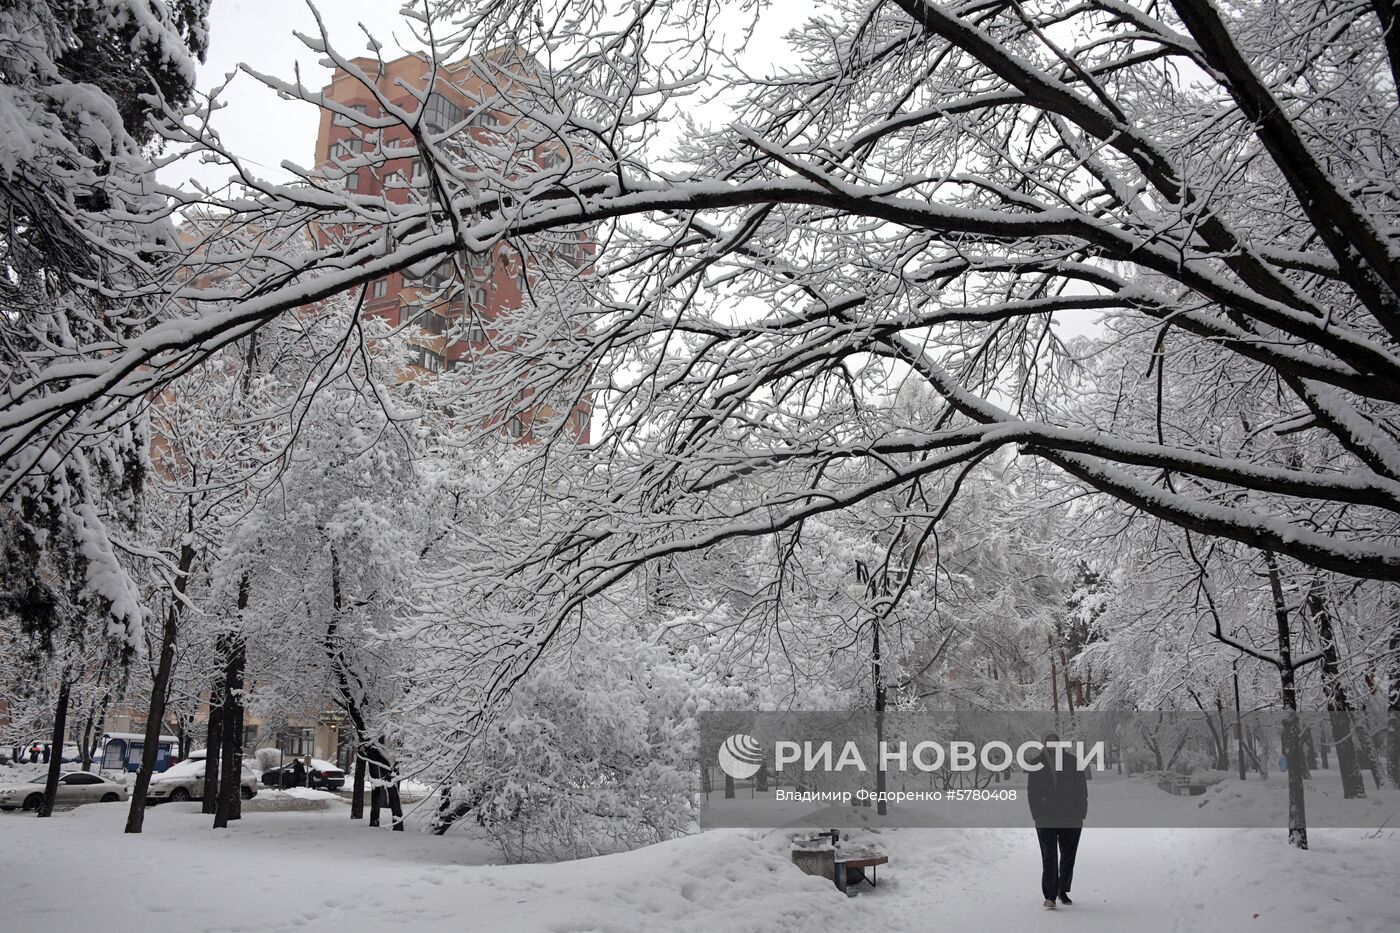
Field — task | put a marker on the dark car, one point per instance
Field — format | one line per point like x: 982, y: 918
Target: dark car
x: 323, y: 774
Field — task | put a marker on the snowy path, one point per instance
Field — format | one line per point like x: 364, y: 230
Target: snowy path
x: 317, y: 871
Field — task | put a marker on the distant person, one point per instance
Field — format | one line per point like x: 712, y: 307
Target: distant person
x: 298, y: 774
x: 47, y: 753
x: 1059, y: 799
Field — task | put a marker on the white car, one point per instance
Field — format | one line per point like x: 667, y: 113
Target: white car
x: 74, y: 787
x: 185, y: 781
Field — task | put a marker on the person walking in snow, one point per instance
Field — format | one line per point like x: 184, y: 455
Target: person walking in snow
x: 1059, y: 797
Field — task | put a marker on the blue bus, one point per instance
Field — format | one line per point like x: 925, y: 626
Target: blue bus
x: 121, y: 751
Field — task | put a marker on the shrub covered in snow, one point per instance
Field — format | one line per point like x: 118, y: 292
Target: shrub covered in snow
x: 593, y: 754
x: 268, y: 758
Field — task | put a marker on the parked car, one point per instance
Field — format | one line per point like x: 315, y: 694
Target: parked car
x: 324, y: 776
x: 74, y: 787
x: 185, y: 781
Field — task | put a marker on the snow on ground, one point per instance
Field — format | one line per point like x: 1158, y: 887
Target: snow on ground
x: 318, y: 871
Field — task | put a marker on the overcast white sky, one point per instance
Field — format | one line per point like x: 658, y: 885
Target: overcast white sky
x: 256, y: 124
x: 265, y: 130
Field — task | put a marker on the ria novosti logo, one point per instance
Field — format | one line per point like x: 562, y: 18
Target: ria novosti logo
x: 740, y: 756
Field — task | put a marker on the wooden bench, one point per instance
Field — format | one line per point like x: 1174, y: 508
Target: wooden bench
x: 1178, y: 784
x: 850, y: 868
x: 845, y: 867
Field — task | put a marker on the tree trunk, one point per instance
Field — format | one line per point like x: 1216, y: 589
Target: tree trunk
x: 160, y: 685
x: 85, y: 742
x: 728, y: 787
x: 395, y: 807
x: 1338, y: 706
x: 231, y: 768
x: 376, y: 801
x: 1393, y: 697
x: 60, y: 727
x: 1292, y: 733
x: 357, y: 796
x: 213, y: 746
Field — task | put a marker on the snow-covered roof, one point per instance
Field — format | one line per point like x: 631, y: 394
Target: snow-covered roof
x: 138, y: 736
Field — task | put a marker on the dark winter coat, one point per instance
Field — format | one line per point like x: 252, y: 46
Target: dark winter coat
x: 1059, y: 799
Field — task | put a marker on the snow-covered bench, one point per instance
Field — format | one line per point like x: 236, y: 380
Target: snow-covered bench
x: 845, y: 866
x: 1179, y: 784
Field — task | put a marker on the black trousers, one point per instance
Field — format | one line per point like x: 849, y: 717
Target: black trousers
x: 1057, y: 848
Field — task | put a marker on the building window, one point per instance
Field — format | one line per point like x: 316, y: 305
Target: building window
x: 342, y: 120
x: 473, y: 295
x: 347, y: 148
x: 487, y: 119
x: 394, y: 180
x: 478, y: 265
x: 379, y: 288
x: 418, y: 172
x: 250, y: 736
x: 427, y: 359
x: 352, y: 181
x: 476, y: 334
x: 515, y: 427
x: 440, y: 114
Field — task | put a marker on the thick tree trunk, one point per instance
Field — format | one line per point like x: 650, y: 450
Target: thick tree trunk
x: 85, y: 742
x: 395, y: 807
x: 376, y: 802
x: 231, y: 767
x: 60, y: 727
x: 1292, y: 732
x: 1343, y: 724
x: 357, y: 796
x: 213, y: 748
x: 160, y: 685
